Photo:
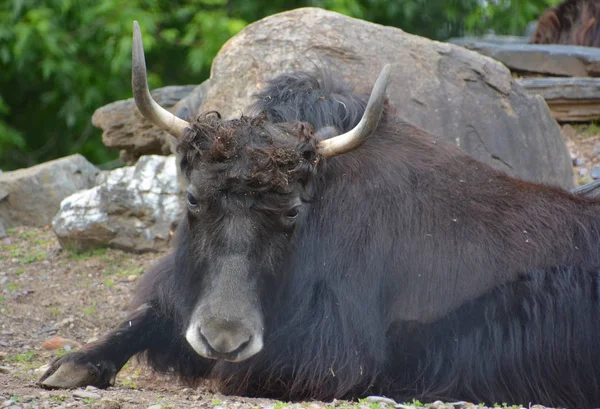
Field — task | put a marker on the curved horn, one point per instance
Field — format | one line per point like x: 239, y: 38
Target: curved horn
x: 355, y: 137
x: 139, y: 82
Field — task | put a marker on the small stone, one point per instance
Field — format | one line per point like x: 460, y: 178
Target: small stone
x: 5, y: 369
x: 110, y: 404
x: 596, y: 172
x: 60, y: 342
x: 86, y: 395
x: 583, y: 172
x: 314, y: 406
x: 42, y: 369
x: 91, y: 388
x: 132, y: 278
x: 578, y: 162
x: 381, y: 399
x: 66, y: 321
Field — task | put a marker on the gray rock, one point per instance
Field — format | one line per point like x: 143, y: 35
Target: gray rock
x: 459, y: 95
x: 126, y: 129
x: 583, y: 172
x: 132, y: 208
x: 86, y: 395
x: 595, y: 174
x: 578, y: 162
x: 491, y: 38
x: 3, y: 233
x: 32, y: 196
x: 554, y: 59
x: 591, y: 189
x: 569, y: 99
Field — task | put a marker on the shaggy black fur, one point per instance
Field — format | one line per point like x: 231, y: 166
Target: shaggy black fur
x: 412, y: 271
x: 573, y: 22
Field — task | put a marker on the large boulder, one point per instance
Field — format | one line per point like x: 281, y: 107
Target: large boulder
x: 126, y: 129
x: 32, y: 196
x: 457, y: 94
x: 133, y: 208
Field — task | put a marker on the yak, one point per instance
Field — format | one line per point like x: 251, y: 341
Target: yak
x: 330, y: 249
x: 573, y: 22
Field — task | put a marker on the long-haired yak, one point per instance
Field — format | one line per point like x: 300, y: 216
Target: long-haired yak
x: 573, y: 22
x: 332, y: 250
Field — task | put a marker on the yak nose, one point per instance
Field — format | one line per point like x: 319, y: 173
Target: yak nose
x: 225, y: 337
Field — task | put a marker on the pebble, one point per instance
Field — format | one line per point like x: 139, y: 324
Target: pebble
x: 86, y: 395
x: 583, y: 172
x: 91, y: 388
x: 5, y: 369
x: 596, y: 172
x: 578, y: 162
x: 111, y: 404
x: 42, y: 369
x: 60, y: 342
x: 155, y: 407
x: 381, y: 399
x: 132, y: 278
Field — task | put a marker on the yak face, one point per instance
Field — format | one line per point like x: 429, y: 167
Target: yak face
x: 249, y: 181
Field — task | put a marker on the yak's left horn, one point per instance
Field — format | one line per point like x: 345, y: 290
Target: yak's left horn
x: 139, y: 82
x: 355, y: 137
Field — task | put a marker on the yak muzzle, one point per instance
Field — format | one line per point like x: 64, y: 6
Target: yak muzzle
x: 217, y: 338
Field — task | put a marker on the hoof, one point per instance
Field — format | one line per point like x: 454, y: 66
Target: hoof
x: 66, y: 374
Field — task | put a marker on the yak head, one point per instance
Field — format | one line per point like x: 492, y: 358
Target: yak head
x: 249, y: 182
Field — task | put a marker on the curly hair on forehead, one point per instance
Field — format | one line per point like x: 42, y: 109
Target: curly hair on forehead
x: 249, y: 154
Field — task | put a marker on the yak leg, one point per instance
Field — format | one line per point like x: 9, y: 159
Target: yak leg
x: 98, y: 362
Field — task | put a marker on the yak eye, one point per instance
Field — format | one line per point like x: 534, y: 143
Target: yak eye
x: 292, y: 213
x: 191, y: 200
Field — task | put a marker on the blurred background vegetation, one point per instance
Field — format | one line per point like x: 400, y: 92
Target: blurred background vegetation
x: 62, y: 59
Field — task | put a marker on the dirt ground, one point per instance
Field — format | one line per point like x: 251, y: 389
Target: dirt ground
x: 47, y: 292
x: 583, y: 141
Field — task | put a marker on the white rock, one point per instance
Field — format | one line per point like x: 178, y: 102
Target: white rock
x: 132, y: 208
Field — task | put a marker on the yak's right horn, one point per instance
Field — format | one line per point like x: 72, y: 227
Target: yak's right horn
x: 355, y: 137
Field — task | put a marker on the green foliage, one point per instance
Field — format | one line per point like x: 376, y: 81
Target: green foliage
x: 62, y: 59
